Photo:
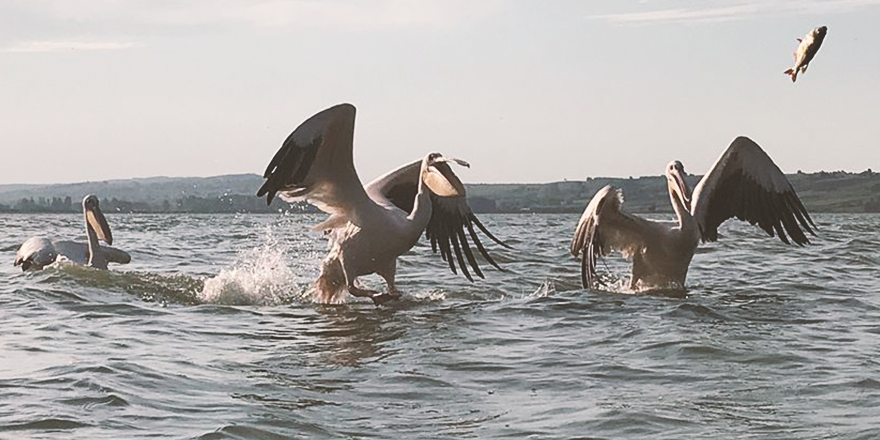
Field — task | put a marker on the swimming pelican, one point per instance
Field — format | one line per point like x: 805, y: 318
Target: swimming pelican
x: 744, y: 183
x: 370, y: 226
x: 37, y: 252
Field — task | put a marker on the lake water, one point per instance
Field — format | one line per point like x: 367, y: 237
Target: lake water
x: 206, y: 335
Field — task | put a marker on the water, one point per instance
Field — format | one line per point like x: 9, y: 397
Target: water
x: 206, y: 335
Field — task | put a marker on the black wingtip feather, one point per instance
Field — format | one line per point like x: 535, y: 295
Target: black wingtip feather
x: 474, y: 219
x: 462, y: 237
x: 585, y: 280
x: 454, y: 239
x: 480, y: 247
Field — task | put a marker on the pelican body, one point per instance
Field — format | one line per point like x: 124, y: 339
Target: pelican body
x: 806, y: 50
x: 37, y: 252
x: 370, y: 226
x: 743, y: 183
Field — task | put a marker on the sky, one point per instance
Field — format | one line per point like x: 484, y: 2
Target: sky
x: 526, y: 91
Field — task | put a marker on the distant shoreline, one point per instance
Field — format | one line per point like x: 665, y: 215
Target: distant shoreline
x: 825, y: 192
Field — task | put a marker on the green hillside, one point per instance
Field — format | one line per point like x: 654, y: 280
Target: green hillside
x: 821, y: 192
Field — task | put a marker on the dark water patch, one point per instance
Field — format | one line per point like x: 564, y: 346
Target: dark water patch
x: 114, y: 311
x: 212, y: 309
x: 867, y: 384
x: 89, y: 403
x: 280, y: 403
x: 846, y: 303
x: 613, y: 373
x: 287, y: 376
x: 241, y: 432
x: 696, y: 312
x: 50, y: 294
x: 638, y: 423
x: 475, y: 366
x: 10, y: 247
x: 49, y: 425
x: 775, y: 359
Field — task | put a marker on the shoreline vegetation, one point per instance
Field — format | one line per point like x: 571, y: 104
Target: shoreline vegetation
x: 829, y: 192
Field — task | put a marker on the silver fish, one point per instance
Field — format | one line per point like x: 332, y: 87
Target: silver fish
x: 806, y: 50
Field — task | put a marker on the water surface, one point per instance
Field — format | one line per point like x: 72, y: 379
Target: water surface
x: 206, y: 335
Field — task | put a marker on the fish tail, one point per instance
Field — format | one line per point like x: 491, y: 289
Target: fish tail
x: 792, y: 73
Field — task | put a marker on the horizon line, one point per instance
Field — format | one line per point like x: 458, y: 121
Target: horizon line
x: 565, y: 179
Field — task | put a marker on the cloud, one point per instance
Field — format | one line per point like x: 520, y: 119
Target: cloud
x: 63, y: 46
x: 741, y: 11
x: 334, y: 14
x: 295, y: 14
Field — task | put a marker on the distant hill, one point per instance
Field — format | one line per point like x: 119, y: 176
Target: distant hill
x: 821, y: 192
x: 150, y: 190
x: 229, y: 193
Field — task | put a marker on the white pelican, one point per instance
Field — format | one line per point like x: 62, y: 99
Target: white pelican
x: 744, y: 183
x: 370, y: 226
x: 37, y: 252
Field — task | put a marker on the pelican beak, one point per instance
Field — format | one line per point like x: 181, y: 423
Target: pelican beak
x: 441, y: 180
x: 97, y: 221
x: 452, y: 159
x: 681, y: 187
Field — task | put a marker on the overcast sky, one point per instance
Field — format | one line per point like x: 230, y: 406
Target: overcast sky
x: 527, y: 91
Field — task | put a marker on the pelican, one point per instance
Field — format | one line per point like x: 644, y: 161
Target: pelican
x: 37, y: 252
x: 744, y: 183
x: 370, y: 226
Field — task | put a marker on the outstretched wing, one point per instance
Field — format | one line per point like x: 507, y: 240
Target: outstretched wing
x: 397, y: 188
x: 603, y: 228
x: 746, y: 184
x: 450, y: 215
x: 315, y: 164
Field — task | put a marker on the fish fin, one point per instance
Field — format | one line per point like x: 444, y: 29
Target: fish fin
x: 799, y: 40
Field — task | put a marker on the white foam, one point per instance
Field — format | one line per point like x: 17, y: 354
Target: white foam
x: 261, y: 276
x: 547, y: 288
x: 429, y: 295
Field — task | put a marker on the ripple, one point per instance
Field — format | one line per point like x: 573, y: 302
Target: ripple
x: 207, y: 335
x: 50, y: 425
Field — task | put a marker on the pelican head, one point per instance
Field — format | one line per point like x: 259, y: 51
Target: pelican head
x: 95, y: 218
x: 432, y: 159
x: 677, y: 185
x: 439, y: 177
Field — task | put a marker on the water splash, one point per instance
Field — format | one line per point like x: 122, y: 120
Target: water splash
x: 432, y: 295
x: 261, y: 276
x: 547, y: 288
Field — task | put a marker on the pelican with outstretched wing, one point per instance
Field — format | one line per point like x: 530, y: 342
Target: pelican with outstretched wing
x: 37, y: 252
x: 370, y: 226
x: 744, y: 183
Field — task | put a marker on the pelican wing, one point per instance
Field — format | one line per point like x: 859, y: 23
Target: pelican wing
x: 746, y: 184
x: 315, y: 164
x: 35, y: 252
x: 398, y: 187
x: 451, y: 216
x: 603, y: 228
